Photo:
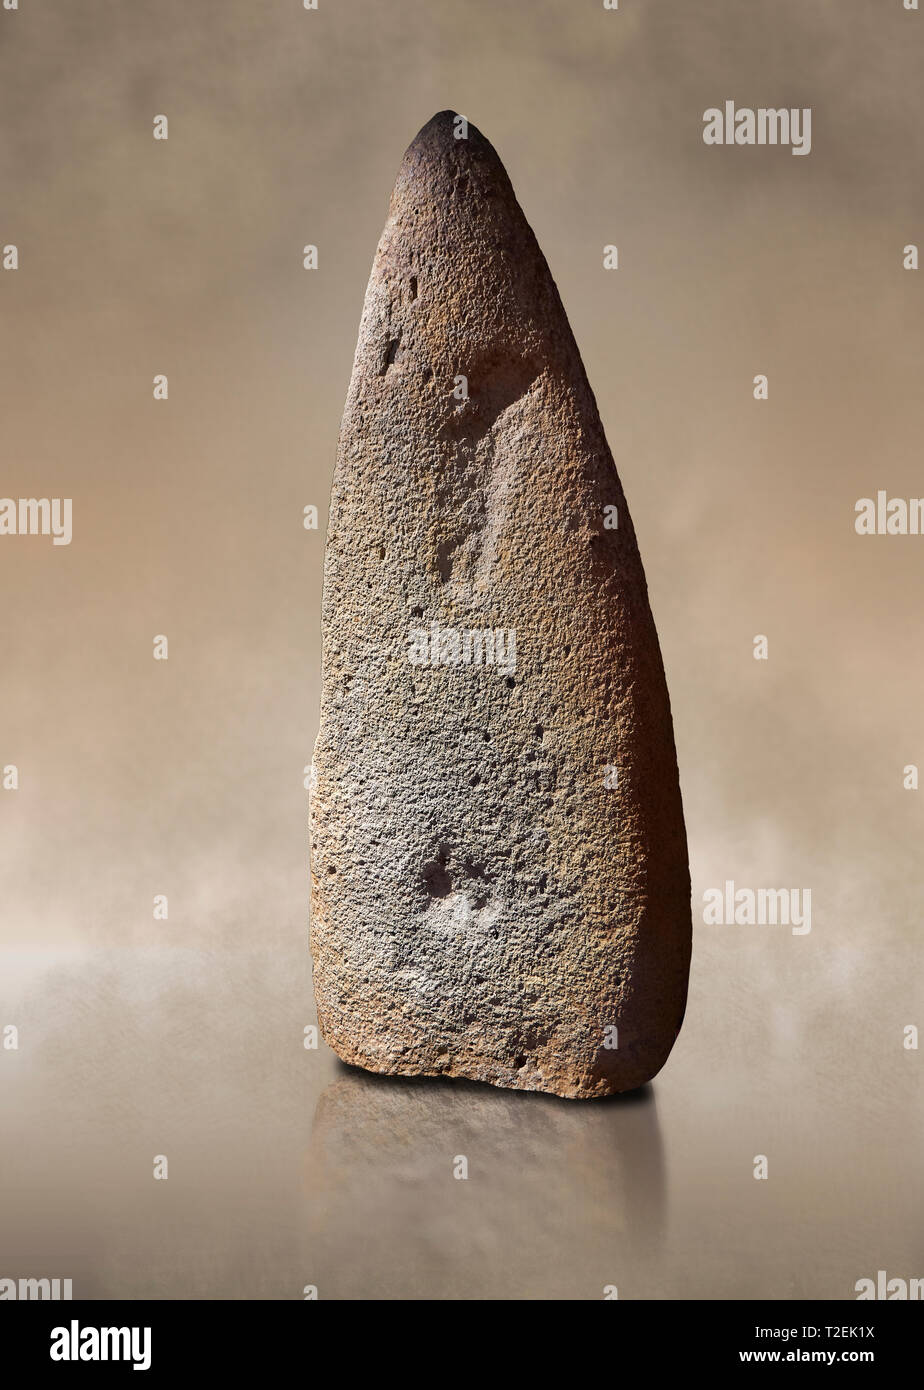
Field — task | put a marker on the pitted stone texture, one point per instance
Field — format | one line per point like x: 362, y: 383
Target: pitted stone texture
x: 483, y: 905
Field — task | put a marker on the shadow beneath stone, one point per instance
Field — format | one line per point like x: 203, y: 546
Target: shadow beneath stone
x: 560, y: 1199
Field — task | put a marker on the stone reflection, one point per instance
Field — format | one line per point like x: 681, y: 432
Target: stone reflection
x: 561, y: 1199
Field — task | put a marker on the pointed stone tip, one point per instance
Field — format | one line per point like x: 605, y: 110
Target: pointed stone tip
x: 437, y: 130
x: 448, y: 147
x: 441, y: 119
x: 445, y: 134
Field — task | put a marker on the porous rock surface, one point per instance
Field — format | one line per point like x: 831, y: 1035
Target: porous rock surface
x: 500, y: 887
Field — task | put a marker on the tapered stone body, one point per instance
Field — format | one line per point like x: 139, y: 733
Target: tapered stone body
x: 500, y: 887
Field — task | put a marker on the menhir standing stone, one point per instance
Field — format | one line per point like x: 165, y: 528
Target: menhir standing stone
x: 500, y: 886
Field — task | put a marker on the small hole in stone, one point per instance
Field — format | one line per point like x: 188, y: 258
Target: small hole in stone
x: 444, y: 553
x: 416, y: 612
x: 413, y: 286
x: 436, y: 879
x: 519, y: 1063
x: 391, y: 353
x: 510, y: 682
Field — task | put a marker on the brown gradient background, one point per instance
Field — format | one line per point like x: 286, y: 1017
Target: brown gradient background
x: 139, y: 777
